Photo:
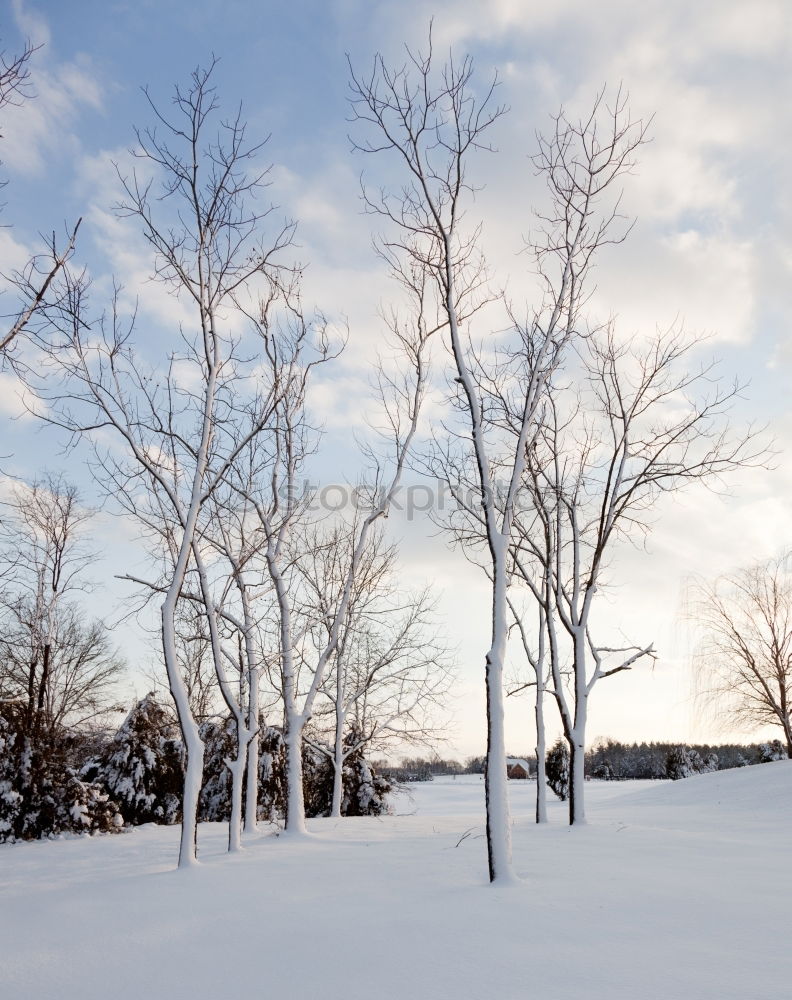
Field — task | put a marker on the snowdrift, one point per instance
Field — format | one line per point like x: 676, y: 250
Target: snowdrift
x: 758, y: 795
x: 676, y: 892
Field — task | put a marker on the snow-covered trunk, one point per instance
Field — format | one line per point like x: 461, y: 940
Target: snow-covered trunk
x: 193, y: 745
x: 237, y: 769
x: 295, y: 799
x: 237, y: 765
x: 338, y: 787
x: 338, y: 747
x: 577, y: 762
x: 577, y: 734
x: 496, y: 789
x: 251, y: 788
x: 293, y: 721
x: 541, y: 752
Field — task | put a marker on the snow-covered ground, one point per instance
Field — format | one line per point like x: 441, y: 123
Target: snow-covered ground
x: 673, y: 890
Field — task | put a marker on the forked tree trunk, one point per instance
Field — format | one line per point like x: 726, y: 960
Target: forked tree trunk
x: 193, y: 745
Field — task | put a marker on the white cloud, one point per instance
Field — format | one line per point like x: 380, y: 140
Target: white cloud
x: 44, y: 126
x: 14, y: 395
x: 30, y: 24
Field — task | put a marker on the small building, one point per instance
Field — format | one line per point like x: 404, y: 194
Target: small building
x: 517, y: 767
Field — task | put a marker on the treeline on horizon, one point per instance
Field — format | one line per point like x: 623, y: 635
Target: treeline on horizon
x: 608, y: 760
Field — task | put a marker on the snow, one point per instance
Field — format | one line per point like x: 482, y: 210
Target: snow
x: 672, y: 890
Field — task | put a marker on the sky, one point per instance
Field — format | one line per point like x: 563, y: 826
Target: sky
x: 711, y: 249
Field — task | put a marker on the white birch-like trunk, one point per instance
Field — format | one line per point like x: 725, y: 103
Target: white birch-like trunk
x: 295, y: 799
x: 193, y: 775
x: 338, y: 787
x: 251, y: 787
x: 237, y: 765
x: 496, y: 788
x: 577, y: 734
x: 541, y: 752
x: 193, y: 745
x: 577, y: 763
x: 338, y: 748
x: 237, y: 769
x: 253, y: 722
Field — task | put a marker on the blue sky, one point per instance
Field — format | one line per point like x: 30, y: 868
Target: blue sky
x: 712, y: 245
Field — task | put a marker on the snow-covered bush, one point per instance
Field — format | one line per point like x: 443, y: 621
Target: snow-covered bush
x: 142, y: 769
x: 683, y: 761
x: 219, y: 736
x: 365, y: 792
x: 220, y: 742
x: 271, y: 804
x: 603, y: 771
x: 773, y: 750
x: 41, y: 795
x: 557, y: 768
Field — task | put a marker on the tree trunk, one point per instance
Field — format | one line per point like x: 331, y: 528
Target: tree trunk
x: 577, y: 762
x: 237, y: 769
x: 251, y: 788
x: 338, y: 753
x: 45, y: 671
x: 496, y: 791
x: 541, y: 751
x: 338, y: 788
x: 31, y: 703
x: 577, y: 734
x: 295, y: 798
x: 193, y: 745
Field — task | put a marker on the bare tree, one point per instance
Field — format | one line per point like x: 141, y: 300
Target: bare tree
x: 281, y: 507
x: 537, y: 654
x: 242, y: 608
x: 40, y: 294
x: 62, y: 665
x: 390, y: 673
x: 432, y: 120
x: 647, y: 423
x: 744, y: 657
x: 182, y: 426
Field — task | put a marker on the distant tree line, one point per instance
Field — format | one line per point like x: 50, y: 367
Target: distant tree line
x: 617, y: 761
x: 608, y: 760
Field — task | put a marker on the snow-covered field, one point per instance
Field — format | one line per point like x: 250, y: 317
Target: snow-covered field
x: 672, y: 891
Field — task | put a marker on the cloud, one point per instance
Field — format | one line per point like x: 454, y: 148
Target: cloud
x: 14, y: 395
x: 30, y: 24
x: 43, y: 127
